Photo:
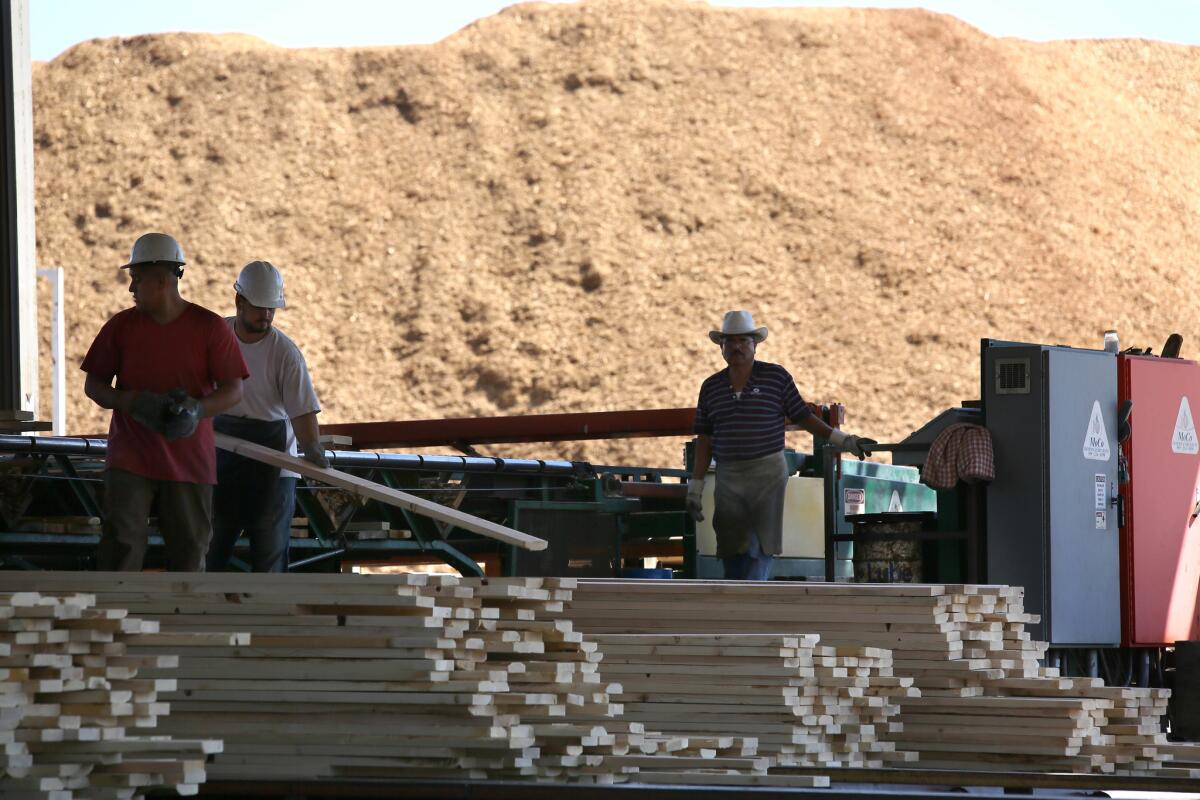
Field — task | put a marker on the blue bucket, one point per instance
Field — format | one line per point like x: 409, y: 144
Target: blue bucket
x: 632, y: 572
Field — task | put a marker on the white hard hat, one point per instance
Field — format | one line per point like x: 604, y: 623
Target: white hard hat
x: 155, y: 248
x: 261, y: 284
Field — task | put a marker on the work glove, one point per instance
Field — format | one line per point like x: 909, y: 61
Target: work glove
x: 150, y: 409
x: 314, y: 454
x: 695, y: 499
x: 183, y: 415
x: 854, y: 445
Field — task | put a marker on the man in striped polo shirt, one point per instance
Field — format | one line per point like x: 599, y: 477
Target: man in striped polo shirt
x: 740, y: 421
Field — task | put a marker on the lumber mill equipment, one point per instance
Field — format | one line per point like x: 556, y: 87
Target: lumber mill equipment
x: 1093, y: 505
x: 599, y: 520
x: 1099, y: 532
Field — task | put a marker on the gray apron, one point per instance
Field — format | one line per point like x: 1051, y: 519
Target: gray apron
x: 749, y: 502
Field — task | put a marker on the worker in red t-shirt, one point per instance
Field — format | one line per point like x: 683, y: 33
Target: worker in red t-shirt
x: 176, y: 365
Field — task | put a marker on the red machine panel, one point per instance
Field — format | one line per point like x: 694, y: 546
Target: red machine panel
x: 1160, y: 540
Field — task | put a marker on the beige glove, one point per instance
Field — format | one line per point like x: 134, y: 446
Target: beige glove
x: 854, y: 445
x: 314, y: 454
x: 695, y: 499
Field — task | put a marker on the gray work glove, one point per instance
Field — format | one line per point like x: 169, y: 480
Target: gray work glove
x: 854, y: 445
x: 183, y: 415
x: 695, y: 499
x: 314, y: 454
x: 150, y: 409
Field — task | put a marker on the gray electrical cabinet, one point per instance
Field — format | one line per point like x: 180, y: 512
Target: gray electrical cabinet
x: 1052, y: 522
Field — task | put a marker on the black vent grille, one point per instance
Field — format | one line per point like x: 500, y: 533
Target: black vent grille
x: 1012, y: 376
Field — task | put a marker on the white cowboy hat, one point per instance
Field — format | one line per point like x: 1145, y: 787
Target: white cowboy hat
x: 738, y: 323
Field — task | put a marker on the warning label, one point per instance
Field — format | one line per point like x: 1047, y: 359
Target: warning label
x: 1095, y: 441
x: 1183, y: 439
x: 854, y: 501
x: 895, y: 505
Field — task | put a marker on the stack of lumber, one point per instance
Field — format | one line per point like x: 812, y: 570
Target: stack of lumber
x: 354, y: 676
x: 583, y: 735
x: 363, y: 531
x: 982, y: 688
x: 1133, y: 732
x: 318, y: 676
x: 1043, y: 723
x: 77, y: 525
x: 325, y: 676
x: 553, y: 681
x: 1183, y: 759
x: 620, y: 744
x: 306, y: 677
x: 69, y: 691
x: 807, y: 705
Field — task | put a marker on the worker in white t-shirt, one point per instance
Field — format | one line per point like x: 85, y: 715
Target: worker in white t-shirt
x: 278, y: 409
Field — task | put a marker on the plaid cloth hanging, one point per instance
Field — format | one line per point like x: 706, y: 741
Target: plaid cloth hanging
x: 961, y: 452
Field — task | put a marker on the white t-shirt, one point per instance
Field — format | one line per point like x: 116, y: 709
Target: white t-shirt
x: 279, y: 386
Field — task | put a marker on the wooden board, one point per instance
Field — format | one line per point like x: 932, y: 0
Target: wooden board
x: 384, y: 494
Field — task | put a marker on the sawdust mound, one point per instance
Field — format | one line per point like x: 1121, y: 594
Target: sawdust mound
x: 547, y: 211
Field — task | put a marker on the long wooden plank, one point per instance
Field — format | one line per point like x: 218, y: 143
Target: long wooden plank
x: 384, y: 494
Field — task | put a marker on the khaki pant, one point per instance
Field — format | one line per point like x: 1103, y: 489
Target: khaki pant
x: 184, y: 520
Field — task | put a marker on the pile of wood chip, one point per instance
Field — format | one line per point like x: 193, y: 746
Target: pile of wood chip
x: 547, y: 211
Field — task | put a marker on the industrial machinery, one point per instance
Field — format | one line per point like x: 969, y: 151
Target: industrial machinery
x: 50, y: 511
x: 1094, y: 503
x: 1160, y: 543
x: 1052, y: 513
x: 862, y: 488
x: 1092, y: 509
x: 598, y: 519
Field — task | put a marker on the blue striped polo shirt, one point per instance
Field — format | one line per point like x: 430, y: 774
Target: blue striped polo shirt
x: 750, y: 426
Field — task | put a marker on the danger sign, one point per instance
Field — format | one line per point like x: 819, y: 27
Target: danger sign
x: 1095, y: 441
x: 1183, y: 438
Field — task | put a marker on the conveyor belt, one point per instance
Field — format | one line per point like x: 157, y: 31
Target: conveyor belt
x: 96, y: 448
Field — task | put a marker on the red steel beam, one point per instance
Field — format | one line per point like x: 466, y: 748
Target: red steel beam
x: 526, y: 428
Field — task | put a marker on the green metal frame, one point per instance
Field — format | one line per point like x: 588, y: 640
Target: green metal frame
x: 426, y: 537
x: 618, y: 506
x: 587, y: 495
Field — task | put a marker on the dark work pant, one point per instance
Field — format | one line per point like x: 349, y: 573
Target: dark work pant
x: 270, y: 533
x: 184, y: 520
x: 251, y: 497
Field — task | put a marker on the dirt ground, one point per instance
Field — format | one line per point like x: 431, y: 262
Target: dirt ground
x: 548, y: 210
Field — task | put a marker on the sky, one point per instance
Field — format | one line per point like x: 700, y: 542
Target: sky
x: 56, y: 25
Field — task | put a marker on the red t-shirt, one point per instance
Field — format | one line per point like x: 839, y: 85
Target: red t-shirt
x: 195, y: 351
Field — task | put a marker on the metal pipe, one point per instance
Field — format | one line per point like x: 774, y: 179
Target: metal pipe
x: 77, y: 446
x: 58, y: 361
x: 829, y: 459
x: 66, y: 445
x: 465, y: 431
x: 18, y: 287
